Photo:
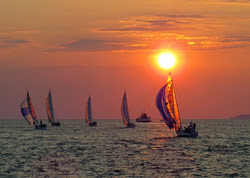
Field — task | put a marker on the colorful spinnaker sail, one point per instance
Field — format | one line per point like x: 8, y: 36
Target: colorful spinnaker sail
x: 49, y: 108
x: 124, y: 110
x: 167, y: 105
x: 28, y: 111
x: 88, y: 114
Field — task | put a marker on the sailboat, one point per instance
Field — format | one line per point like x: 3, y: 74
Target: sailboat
x: 88, y: 114
x: 29, y: 114
x: 167, y: 105
x: 124, y: 111
x: 50, y: 111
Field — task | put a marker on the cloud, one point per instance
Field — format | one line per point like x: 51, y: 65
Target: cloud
x: 154, y: 23
x: 238, y: 1
x: 91, y: 45
x: 174, y: 40
x: 230, y: 2
x: 219, y: 42
x: 26, y: 32
x: 192, y: 31
x: 6, y: 46
x: 183, y: 16
x: 6, y: 42
x: 17, y: 41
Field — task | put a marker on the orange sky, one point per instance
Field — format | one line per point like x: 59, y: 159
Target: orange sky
x: 77, y: 48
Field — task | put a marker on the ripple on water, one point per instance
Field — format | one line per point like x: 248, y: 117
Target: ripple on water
x: 110, y: 150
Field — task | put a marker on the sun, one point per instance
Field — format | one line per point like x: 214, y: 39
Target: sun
x: 166, y: 60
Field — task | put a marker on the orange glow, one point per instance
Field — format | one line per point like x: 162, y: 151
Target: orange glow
x: 166, y: 60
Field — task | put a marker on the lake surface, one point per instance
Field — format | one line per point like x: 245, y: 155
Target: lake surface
x: 111, y: 150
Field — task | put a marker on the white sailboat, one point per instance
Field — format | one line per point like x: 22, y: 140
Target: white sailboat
x: 88, y: 114
x: 167, y: 105
x: 125, y: 113
x: 29, y: 114
x: 50, y: 111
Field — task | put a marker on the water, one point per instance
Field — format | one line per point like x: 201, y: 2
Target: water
x: 111, y: 150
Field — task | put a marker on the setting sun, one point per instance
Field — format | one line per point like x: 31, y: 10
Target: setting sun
x: 166, y: 60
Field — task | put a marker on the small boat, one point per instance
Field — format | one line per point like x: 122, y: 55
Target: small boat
x: 29, y: 114
x: 167, y: 105
x: 125, y: 114
x: 50, y: 111
x: 88, y: 114
x: 143, y: 118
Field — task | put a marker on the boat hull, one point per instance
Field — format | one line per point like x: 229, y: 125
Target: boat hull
x: 41, y: 127
x: 55, y: 124
x: 143, y: 120
x: 93, y: 124
x: 191, y: 134
x: 130, y: 125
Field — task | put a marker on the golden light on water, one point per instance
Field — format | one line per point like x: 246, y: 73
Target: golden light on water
x: 166, y: 60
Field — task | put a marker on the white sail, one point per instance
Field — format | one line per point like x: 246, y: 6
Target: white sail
x: 88, y: 114
x: 49, y: 108
x: 124, y: 110
x: 26, y: 112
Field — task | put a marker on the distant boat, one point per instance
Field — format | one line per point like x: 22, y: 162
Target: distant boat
x: 167, y: 105
x: 143, y: 118
x: 124, y: 111
x: 50, y: 111
x: 29, y: 114
x: 88, y: 114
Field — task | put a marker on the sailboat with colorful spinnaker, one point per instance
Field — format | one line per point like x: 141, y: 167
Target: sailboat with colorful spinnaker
x: 50, y: 111
x: 88, y: 114
x: 167, y: 105
x: 29, y: 115
x: 125, y: 113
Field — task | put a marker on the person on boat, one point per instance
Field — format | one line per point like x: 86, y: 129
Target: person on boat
x: 190, y: 126
x: 194, y: 125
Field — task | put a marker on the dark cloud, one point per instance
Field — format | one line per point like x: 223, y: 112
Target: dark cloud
x: 238, y: 1
x: 91, y: 45
x: 6, y: 42
x: 182, y: 16
x: 156, y: 23
x: 17, y: 41
x: 164, y: 22
x: 3, y: 37
x: 145, y: 28
x: 7, y: 46
x: 235, y: 38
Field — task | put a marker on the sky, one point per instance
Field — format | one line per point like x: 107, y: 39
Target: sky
x: 79, y: 48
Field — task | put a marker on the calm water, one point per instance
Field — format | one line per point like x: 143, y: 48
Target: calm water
x: 110, y: 150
